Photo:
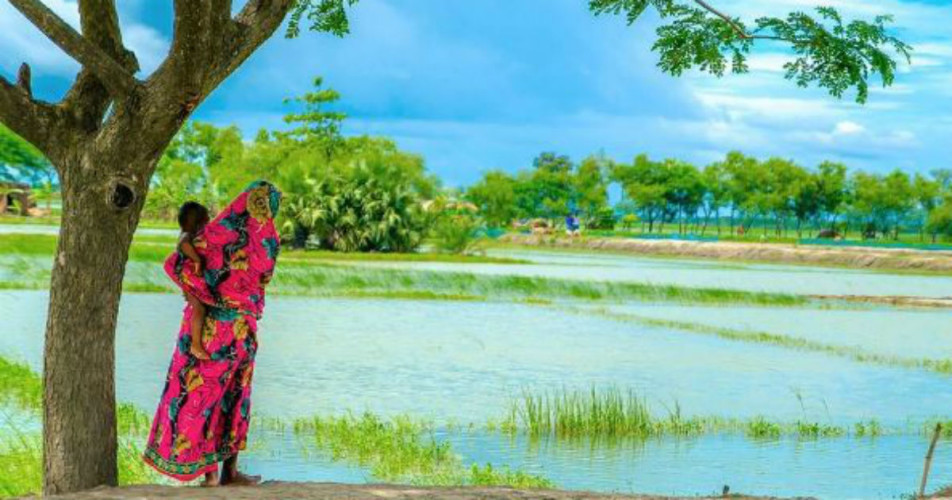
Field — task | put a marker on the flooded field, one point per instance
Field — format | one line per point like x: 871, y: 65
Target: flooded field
x: 461, y: 365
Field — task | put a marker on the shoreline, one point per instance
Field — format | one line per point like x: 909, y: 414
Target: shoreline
x: 339, y: 491
x: 852, y: 257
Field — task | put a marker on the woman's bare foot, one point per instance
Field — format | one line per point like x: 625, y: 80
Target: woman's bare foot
x: 240, y: 479
x: 211, y: 480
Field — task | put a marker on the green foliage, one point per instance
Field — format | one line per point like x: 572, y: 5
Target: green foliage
x: 825, y: 50
x: 495, y: 195
x: 329, y: 16
x: 455, y: 233
x: 552, y: 189
x: 403, y: 449
x: 940, y: 220
x: 371, y: 205
x: 21, y: 161
x: 314, y: 123
x: 349, y: 194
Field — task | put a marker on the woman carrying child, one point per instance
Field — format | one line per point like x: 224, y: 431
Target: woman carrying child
x: 223, y: 269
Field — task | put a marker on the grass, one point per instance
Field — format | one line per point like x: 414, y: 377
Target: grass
x: 23, y: 256
x: 613, y: 414
x: 404, y: 450
x: 21, y: 452
x: 156, y: 247
x: 19, y: 386
x: 347, y: 279
x: 857, y: 354
x: 395, y: 450
x: 21, y: 463
x: 322, y: 255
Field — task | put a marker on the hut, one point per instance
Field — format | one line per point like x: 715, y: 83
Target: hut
x: 15, y: 198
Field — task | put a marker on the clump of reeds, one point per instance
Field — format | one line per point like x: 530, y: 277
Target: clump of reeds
x: 611, y: 413
x: 403, y: 449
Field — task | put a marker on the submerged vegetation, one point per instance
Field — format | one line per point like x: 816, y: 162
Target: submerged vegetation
x: 307, y: 275
x: 404, y: 450
x: 410, y: 450
x: 853, y: 353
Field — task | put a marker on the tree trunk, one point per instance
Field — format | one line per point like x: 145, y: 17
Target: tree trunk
x: 100, y: 213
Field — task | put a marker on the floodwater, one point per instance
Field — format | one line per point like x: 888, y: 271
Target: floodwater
x: 463, y: 362
x: 775, y: 278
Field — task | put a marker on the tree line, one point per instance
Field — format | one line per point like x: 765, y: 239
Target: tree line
x: 776, y: 196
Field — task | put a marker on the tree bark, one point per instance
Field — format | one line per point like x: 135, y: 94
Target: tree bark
x: 100, y: 213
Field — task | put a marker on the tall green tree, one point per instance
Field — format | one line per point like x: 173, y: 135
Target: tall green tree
x: 495, y: 195
x: 831, y: 191
x: 590, y: 186
x: 928, y: 193
x: 716, y: 181
x: 315, y: 123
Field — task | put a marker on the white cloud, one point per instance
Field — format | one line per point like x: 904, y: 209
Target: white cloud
x: 22, y: 42
x: 148, y: 44
x: 848, y: 128
x: 738, y: 107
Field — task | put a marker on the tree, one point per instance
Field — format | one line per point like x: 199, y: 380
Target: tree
x: 831, y: 190
x: 105, y: 139
x: 644, y: 183
x: 684, y: 190
x: 940, y: 221
x: 495, y: 195
x: 928, y: 195
x: 589, y: 185
x: 106, y: 136
x: 551, y: 185
x: 315, y: 124
x: 716, y: 181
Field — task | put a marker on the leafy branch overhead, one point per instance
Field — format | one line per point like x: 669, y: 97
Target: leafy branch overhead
x: 825, y: 50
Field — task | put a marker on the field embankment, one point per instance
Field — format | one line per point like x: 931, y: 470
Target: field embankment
x: 333, y: 491
x: 845, y: 256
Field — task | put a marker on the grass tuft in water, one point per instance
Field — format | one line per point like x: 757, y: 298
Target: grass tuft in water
x: 402, y: 449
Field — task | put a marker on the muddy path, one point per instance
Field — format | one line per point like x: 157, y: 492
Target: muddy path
x: 850, y: 257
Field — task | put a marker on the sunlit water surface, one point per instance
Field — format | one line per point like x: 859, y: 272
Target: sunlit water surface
x: 463, y: 362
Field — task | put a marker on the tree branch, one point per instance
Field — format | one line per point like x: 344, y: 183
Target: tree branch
x: 741, y: 32
x: 108, y: 70
x: 88, y: 98
x: 32, y: 120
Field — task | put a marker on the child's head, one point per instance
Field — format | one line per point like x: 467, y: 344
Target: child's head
x: 192, y: 216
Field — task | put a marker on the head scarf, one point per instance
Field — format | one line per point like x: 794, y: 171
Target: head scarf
x: 239, y: 248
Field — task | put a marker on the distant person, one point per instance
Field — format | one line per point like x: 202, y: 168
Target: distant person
x: 572, y: 226
x: 192, y: 218
x: 205, y: 408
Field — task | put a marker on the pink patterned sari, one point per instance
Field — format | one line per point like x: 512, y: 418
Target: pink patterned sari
x: 203, y: 415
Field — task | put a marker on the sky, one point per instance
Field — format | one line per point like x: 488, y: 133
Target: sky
x: 480, y: 85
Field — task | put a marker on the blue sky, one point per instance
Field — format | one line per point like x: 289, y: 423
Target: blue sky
x: 474, y: 85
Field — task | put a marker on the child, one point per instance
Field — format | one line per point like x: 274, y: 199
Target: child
x: 192, y: 217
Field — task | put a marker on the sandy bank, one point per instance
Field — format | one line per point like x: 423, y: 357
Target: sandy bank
x: 853, y: 257
x: 333, y: 491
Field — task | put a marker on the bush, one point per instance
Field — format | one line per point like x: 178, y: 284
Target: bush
x: 455, y: 233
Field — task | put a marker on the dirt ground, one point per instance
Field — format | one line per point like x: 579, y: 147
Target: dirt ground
x: 853, y: 257
x: 334, y: 491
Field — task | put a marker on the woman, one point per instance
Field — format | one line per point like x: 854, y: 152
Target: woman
x: 203, y: 415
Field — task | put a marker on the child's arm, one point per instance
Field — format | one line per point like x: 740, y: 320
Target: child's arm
x: 187, y: 248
